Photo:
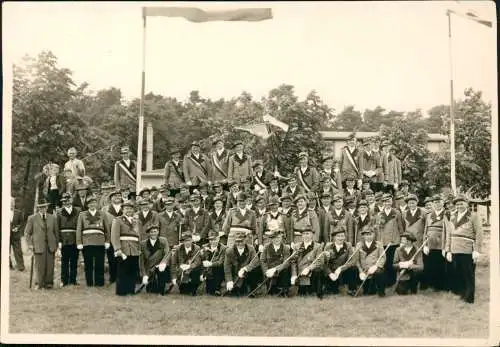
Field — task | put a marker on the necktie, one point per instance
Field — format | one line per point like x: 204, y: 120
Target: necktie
x: 44, y: 217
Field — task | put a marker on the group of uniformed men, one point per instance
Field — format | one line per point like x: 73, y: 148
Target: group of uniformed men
x: 225, y: 222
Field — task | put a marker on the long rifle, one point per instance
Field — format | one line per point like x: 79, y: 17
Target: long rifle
x: 367, y: 276
x: 401, y: 273
x: 142, y: 286
x: 352, y: 255
x: 190, y: 262
x: 239, y: 282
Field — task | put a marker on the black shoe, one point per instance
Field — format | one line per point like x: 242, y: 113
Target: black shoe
x: 381, y: 294
x: 49, y: 286
x: 351, y: 292
x: 21, y: 269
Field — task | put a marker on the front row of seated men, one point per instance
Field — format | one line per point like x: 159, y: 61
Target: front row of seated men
x: 308, y: 268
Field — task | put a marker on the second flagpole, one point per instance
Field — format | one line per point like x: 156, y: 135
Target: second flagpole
x: 141, y: 107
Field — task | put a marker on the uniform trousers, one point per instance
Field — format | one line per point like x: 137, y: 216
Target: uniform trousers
x: 214, y: 280
x: 246, y: 285
x: 376, y: 283
x: 280, y: 282
x: 409, y: 284
x: 69, y: 264
x: 110, y: 253
x: 44, y: 265
x: 315, y: 286
x: 93, y: 257
x: 348, y: 277
x: 435, y: 270
x: 390, y: 272
x: 156, y: 283
x: 465, y: 273
x: 15, y: 242
x: 189, y: 282
x: 126, y: 275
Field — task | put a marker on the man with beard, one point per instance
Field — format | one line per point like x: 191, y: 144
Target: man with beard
x: 110, y: 213
x: 187, y: 265
x: 213, y: 256
x: 173, y: 172
x: 67, y: 220
x: 220, y: 161
x: 154, y: 260
x: 390, y: 227
x: 125, y: 239
x: 241, y: 267
x: 340, y: 267
x: 275, y: 264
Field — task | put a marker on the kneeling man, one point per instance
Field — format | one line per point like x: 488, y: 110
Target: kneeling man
x: 410, y: 264
x: 186, y: 265
x: 154, y: 261
x: 275, y: 264
x: 371, y: 261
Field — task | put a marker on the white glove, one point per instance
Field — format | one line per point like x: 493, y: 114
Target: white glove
x: 396, y: 186
x: 333, y: 276
x: 229, y: 285
x: 58, y: 252
x: 221, y: 233
x: 174, y: 281
x: 305, y: 272
x: 202, y: 278
x: 448, y: 257
x: 241, y: 273
x: 293, y: 279
x: 106, y: 245
x: 294, y: 246
x: 256, y: 188
x: 184, y: 267
x: 339, y: 270
x: 189, y: 183
x: 207, y: 263
x: 372, y: 269
x: 79, y: 246
x: 261, y: 248
x: 196, y: 238
x: 360, y: 183
x: 59, y: 245
x: 475, y: 256
x: 403, y: 265
x: 443, y: 252
x: 270, y: 272
x: 426, y: 250
x: 362, y: 276
x: 162, y: 267
x: 145, y: 279
x: 336, y: 169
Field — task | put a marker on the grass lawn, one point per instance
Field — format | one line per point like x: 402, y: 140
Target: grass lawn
x: 81, y: 310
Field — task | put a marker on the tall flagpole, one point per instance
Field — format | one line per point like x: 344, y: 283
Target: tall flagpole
x: 141, y: 107
x: 452, y: 112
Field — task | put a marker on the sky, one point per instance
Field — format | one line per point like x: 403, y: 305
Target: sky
x: 393, y: 54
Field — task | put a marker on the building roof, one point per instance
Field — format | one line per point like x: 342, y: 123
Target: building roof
x: 343, y: 135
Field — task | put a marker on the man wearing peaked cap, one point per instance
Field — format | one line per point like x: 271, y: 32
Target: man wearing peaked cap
x: 340, y: 216
x: 409, y: 265
x: 362, y: 219
x: 273, y: 220
x: 370, y: 166
x: 93, y: 239
x: 340, y: 267
x: 392, y: 169
x: 113, y: 210
x: 414, y: 219
x: 312, y: 201
x: 261, y: 177
x: 240, y: 219
x: 463, y: 247
x: 428, y: 204
x: 371, y: 261
x: 217, y: 218
x: 349, y: 160
x: 239, y: 164
x: 307, y: 177
x: 146, y: 217
x: 174, y: 172
x: 154, y: 261
x: 198, y: 220
x: 399, y: 201
x: 293, y: 189
x: 125, y: 171
x: 213, y: 256
x: 303, y: 219
x: 350, y: 190
x: 324, y: 216
x: 220, y: 161
x: 197, y: 167
x: 159, y: 204
x: 234, y: 189
x: 67, y: 219
x: 329, y: 173
x: 187, y: 265
x: 125, y: 238
x: 275, y: 264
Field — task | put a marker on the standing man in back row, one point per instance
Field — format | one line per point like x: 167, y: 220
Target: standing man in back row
x: 174, y: 173
x: 125, y: 172
x: 349, y: 161
x: 196, y: 166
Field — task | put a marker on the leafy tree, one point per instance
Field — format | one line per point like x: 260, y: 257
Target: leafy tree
x: 348, y: 119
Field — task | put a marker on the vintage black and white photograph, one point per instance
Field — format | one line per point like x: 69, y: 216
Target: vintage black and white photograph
x: 312, y: 173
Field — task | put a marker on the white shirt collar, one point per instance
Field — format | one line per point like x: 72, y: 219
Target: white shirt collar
x: 327, y: 208
x: 413, y: 212
x: 387, y: 211
x: 153, y: 241
x: 170, y: 213
x: 276, y: 248
x: 307, y: 244
x: 195, y: 210
x: 69, y: 209
x: 363, y: 216
x: 187, y: 249
x: 240, y: 251
x: 243, y: 211
x: 369, y: 152
x: 262, y: 211
x: 338, y: 212
x: 337, y: 247
x: 440, y: 211
x: 408, y: 249
x: 460, y: 215
x: 218, y: 212
x: 93, y: 212
x: 328, y: 171
x: 219, y: 151
x: 145, y: 213
x: 302, y: 211
x: 368, y: 244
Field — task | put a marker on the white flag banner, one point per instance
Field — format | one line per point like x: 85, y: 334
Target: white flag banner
x: 271, y: 120
x: 472, y: 16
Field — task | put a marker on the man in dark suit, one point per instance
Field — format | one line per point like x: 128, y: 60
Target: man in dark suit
x: 16, y: 222
x: 125, y: 172
x: 41, y: 235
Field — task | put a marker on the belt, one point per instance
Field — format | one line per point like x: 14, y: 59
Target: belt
x: 93, y: 231
x: 240, y: 229
x: 463, y: 237
x: 67, y: 230
x: 129, y: 238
